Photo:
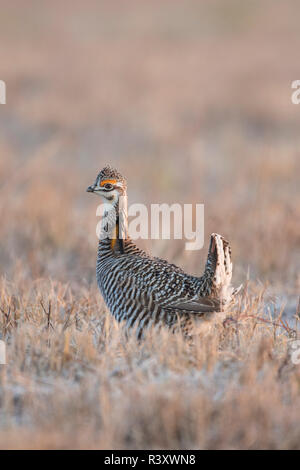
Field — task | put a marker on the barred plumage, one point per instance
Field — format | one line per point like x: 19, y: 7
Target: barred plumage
x: 141, y: 290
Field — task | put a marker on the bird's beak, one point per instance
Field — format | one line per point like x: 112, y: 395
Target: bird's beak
x: 90, y: 189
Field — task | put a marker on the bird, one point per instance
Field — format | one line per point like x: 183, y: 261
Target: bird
x: 143, y: 291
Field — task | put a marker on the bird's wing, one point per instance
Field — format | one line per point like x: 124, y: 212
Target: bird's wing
x: 196, y: 306
x: 153, y: 299
x: 219, y: 269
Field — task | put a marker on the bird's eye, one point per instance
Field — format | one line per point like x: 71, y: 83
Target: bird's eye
x: 108, y: 186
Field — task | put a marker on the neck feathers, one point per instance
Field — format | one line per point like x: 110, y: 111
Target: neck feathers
x: 114, y: 224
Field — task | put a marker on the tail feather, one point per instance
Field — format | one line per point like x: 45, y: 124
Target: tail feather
x: 219, y: 266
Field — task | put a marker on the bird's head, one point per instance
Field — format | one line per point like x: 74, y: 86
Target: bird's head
x: 110, y: 185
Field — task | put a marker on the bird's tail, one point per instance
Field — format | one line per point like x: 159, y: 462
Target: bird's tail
x: 219, y: 269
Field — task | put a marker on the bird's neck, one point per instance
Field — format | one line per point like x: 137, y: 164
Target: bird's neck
x: 114, y: 225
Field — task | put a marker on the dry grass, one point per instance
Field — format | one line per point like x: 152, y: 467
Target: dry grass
x: 74, y: 380
x: 191, y: 100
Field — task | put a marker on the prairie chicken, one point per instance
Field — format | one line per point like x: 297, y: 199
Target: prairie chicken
x: 141, y: 290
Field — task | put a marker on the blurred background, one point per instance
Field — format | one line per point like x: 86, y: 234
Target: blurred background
x: 190, y: 100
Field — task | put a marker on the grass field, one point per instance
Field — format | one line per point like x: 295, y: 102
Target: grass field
x: 192, y: 102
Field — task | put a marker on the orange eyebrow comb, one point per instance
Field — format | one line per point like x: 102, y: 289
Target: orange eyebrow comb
x: 108, y: 181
